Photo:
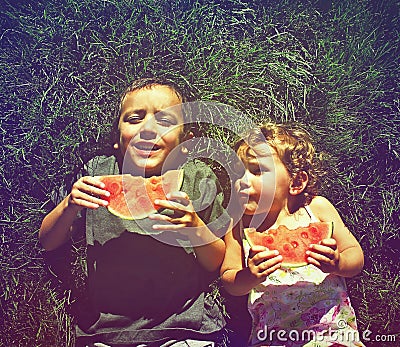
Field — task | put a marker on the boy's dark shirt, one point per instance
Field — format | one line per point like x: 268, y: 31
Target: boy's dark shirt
x: 141, y: 289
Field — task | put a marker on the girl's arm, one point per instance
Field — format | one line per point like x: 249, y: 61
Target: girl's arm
x: 342, y: 254
x: 56, y: 226
x: 236, y: 277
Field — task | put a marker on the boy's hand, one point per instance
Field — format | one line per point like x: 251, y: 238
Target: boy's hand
x: 87, y: 193
x: 262, y: 262
x: 184, y: 214
x: 324, y: 255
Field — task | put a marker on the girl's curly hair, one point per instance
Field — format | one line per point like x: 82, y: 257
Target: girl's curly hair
x: 294, y: 147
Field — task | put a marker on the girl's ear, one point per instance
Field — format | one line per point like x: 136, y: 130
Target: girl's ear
x: 186, y: 137
x: 298, y: 183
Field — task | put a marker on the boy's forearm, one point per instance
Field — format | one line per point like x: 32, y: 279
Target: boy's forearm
x: 56, y: 226
x: 211, y: 255
x: 238, y: 282
x: 209, y: 249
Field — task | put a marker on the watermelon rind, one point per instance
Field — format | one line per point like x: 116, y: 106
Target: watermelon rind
x: 254, y: 237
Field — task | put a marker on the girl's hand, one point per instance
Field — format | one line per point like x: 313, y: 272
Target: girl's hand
x: 262, y: 262
x: 325, y: 255
x: 184, y: 214
x: 87, y: 192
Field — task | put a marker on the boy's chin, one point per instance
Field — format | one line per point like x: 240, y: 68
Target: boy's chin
x: 141, y: 169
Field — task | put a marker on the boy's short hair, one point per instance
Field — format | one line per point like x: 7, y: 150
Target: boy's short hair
x: 149, y: 82
x: 294, y: 147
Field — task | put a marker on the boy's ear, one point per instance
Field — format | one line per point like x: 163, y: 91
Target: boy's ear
x: 189, y: 135
x: 298, y: 183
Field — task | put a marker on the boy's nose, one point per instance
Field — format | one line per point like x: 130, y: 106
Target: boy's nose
x: 148, y: 128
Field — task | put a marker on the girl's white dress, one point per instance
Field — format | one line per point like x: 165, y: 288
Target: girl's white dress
x: 302, y: 307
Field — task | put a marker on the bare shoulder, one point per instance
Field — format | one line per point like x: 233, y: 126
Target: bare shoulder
x: 320, y: 202
x: 323, y: 208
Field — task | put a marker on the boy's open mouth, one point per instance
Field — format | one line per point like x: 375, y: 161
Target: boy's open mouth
x: 143, y: 146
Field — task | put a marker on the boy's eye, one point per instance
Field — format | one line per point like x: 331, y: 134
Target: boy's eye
x: 165, y: 119
x: 135, y: 117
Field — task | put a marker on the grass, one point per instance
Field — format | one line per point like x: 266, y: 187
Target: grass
x: 331, y: 65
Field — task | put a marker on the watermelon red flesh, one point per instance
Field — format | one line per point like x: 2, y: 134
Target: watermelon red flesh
x: 132, y: 197
x: 291, y: 244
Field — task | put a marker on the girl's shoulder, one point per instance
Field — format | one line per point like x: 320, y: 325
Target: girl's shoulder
x: 319, y: 202
x: 322, y: 207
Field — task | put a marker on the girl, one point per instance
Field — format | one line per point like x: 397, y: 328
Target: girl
x: 305, y: 306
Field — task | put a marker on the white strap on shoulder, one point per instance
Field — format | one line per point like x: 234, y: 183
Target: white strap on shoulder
x: 311, y: 214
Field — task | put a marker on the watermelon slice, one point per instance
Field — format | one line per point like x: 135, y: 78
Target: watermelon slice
x: 291, y: 244
x: 132, y: 197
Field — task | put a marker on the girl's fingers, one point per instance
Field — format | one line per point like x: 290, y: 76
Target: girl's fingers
x: 261, y: 257
x: 265, y: 267
x: 318, y: 258
x: 313, y: 261
x: 321, y: 252
x: 271, y: 269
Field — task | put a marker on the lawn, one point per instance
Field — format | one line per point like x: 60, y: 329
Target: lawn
x: 334, y: 66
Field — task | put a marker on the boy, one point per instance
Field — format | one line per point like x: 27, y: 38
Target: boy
x: 142, y: 291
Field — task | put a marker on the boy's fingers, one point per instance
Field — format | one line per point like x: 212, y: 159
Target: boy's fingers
x: 157, y: 216
x: 179, y: 197
x: 173, y: 227
x: 91, y: 190
x: 172, y: 205
x: 81, y: 197
x: 85, y: 203
x: 93, y: 181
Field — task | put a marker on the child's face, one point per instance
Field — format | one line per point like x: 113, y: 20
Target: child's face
x: 149, y: 130
x: 265, y: 183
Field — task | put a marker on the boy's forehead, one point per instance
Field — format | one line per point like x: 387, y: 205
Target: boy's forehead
x: 157, y: 98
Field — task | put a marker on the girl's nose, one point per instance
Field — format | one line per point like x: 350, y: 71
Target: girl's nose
x: 244, y: 181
